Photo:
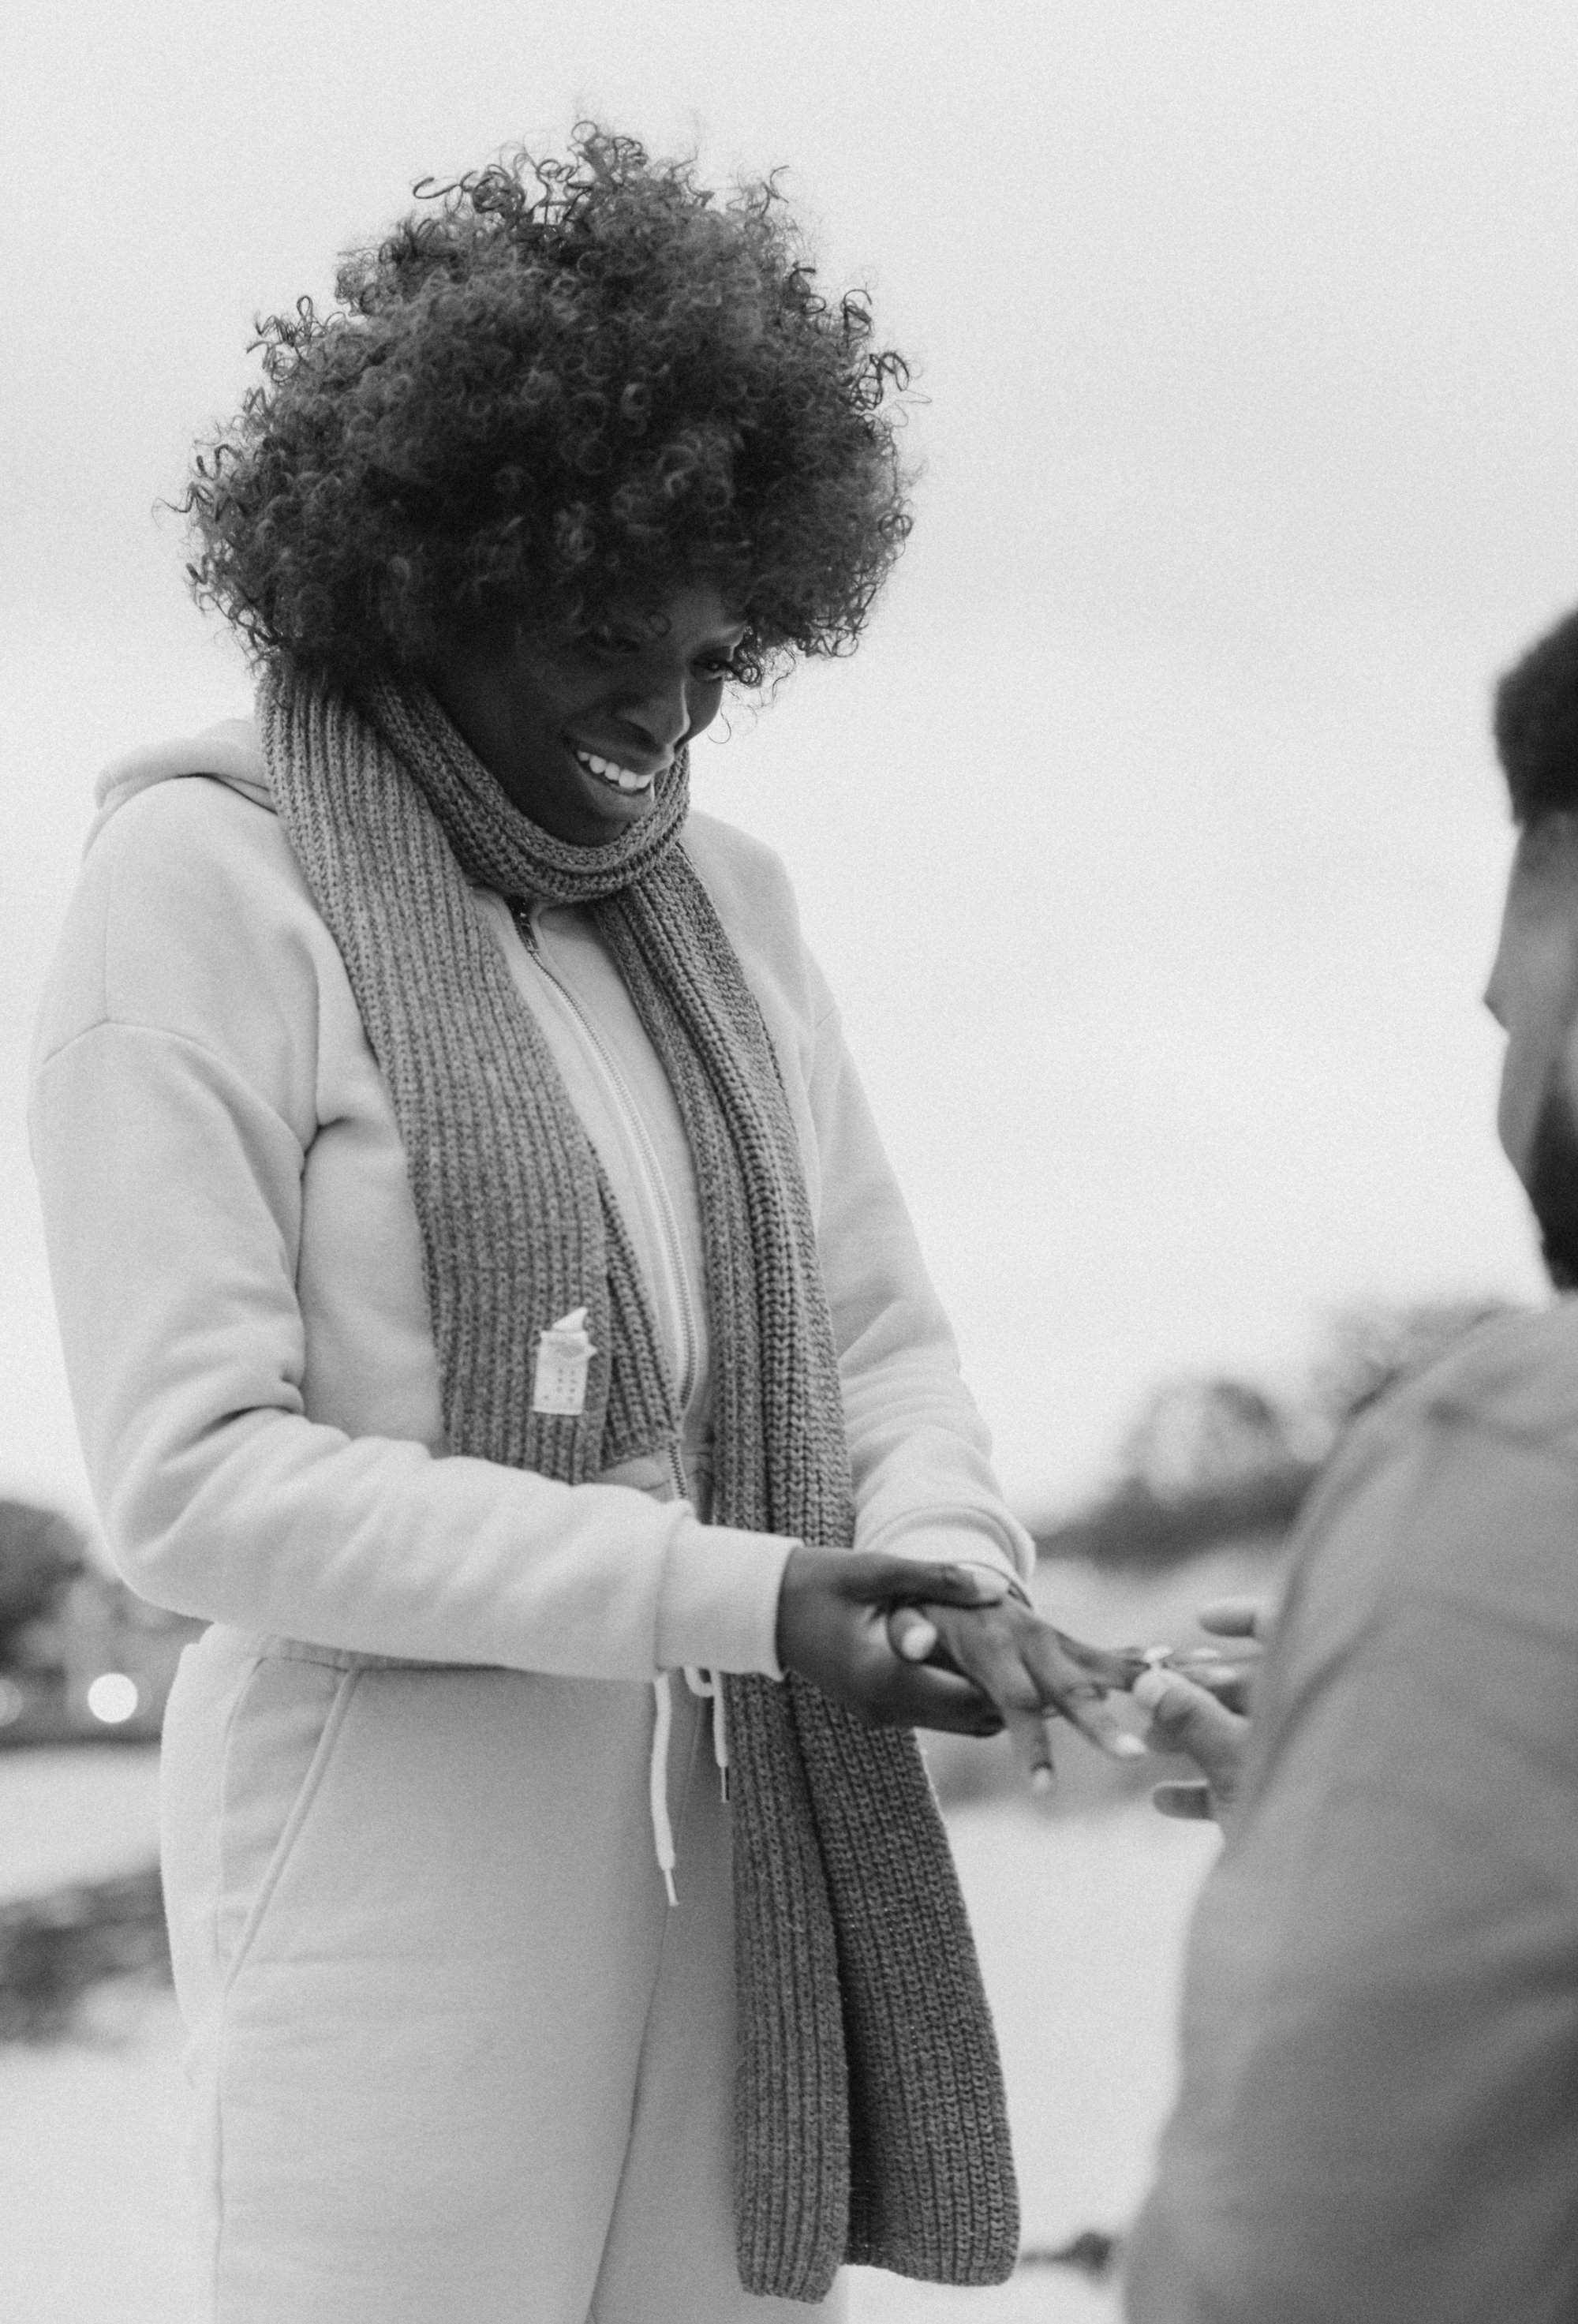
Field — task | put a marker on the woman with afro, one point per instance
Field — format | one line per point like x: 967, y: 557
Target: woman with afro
x: 487, y: 1305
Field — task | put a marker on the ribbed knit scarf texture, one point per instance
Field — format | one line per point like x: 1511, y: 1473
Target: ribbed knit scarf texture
x: 869, y: 2120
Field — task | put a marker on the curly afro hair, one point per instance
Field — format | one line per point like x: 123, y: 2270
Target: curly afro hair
x: 561, y: 388
x: 1537, y: 727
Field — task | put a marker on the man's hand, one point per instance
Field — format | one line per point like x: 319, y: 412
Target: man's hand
x: 833, y: 1611
x: 1185, y: 1718
x: 1031, y: 1672
x: 1199, y: 1707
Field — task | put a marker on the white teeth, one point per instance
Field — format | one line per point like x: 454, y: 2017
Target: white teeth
x: 608, y: 772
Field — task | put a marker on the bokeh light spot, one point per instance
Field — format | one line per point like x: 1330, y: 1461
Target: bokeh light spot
x: 113, y: 1698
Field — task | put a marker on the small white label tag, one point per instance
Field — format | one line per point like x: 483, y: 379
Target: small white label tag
x: 564, y: 1351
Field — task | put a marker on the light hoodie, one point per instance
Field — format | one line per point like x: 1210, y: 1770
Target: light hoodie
x: 238, y: 1271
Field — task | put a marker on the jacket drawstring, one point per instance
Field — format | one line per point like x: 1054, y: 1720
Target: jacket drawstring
x: 658, y: 1784
x: 708, y: 1686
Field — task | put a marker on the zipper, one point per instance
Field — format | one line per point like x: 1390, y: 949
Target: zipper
x: 650, y: 1172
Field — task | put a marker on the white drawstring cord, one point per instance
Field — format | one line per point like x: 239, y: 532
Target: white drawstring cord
x: 701, y: 1683
x: 708, y: 1686
x: 658, y: 1784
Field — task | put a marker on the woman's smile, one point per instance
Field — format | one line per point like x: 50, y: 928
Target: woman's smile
x: 608, y: 770
x: 579, y: 736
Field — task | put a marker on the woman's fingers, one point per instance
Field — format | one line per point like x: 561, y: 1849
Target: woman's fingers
x: 1026, y: 1718
x: 1073, y: 1678
x: 911, y: 1633
x: 1108, y: 1666
x: 983, y: 1647
x: 1035, y: 1674
x: 918, y: 1695
x: 903, y: 1580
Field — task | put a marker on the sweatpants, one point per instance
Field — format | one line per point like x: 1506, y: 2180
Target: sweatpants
x: 456, y: 2059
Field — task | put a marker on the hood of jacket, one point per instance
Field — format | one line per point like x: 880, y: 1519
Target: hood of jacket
x: 229, y: 751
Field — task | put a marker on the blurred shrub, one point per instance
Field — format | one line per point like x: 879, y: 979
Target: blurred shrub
x: 1207, y: 1462
x: 55, y: 1950
x: 41, y: 1552
x: 1132, y: 1527
x: 1221, y: 1460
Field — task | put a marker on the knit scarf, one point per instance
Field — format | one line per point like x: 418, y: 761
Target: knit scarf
x: 869, y: 2120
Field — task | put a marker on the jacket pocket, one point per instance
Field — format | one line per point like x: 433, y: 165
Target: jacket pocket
x: 280, y: 1740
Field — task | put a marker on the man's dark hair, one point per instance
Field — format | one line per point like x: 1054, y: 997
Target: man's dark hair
x: 1537, y: 727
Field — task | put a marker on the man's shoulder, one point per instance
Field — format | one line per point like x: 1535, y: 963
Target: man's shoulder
x: 1515, y: 1376
x: 1461, y: 1483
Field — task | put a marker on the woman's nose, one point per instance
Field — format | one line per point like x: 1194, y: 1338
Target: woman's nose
x: 661, y: 714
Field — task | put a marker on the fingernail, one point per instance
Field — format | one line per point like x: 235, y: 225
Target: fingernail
x: 1042, y: 1780
x: 1149, y: 1688
x: 1127, y: 1747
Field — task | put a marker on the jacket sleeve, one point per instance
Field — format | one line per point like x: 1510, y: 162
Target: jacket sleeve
x: 1376, y: 2122
x: 170, y: 1173
x: 922, y: 1458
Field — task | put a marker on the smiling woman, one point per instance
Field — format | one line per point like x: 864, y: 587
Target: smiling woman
x: 579, y: 738
x: 488, y: 1307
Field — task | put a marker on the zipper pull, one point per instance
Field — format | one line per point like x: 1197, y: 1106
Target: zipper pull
x: 520, y: 913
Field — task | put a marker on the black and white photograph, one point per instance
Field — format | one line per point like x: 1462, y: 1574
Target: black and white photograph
x: 789, y: 1161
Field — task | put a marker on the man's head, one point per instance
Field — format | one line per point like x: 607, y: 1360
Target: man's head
x: 1533, y: 991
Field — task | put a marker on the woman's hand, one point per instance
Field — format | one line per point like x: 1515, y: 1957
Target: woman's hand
x: 1031, y: 1671
x: 832, y: 1611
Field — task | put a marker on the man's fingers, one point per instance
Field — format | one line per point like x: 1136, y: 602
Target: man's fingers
x: 1230, y: 1681
x: 1238, y: 1617
x: 1188, y: 1803
x: 1185, y: 1718
x: 1232, y: 1686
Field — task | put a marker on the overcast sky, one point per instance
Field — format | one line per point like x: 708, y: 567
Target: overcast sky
x: 1152, y: 840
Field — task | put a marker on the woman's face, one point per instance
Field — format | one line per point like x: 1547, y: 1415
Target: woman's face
x: 579, y: 738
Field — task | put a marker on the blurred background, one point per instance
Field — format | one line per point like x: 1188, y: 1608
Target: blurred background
x: 1152, y: 841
